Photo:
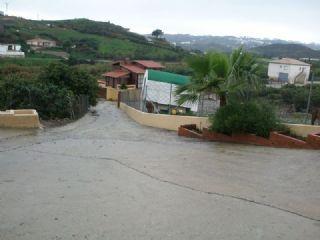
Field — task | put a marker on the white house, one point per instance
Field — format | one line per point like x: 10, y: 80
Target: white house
x: 41, y: 43
x: 11, y: 50
x: 289, y: 71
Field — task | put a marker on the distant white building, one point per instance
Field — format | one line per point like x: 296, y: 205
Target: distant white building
x: 11, y: 50
x: 289, y: 71
x: 41, y: 43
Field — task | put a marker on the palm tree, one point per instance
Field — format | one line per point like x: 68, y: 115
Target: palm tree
x: 216, y: 73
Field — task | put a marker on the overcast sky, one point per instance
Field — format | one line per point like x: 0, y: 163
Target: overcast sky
x: 285, y: 19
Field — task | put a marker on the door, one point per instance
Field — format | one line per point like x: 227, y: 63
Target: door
x: 283, y: 77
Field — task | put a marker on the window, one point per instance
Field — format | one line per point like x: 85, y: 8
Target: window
x: 140, y: 80
x: 285, y: 67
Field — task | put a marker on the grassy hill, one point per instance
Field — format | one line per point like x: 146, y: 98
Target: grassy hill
x: 286, y: 50
x: 86, y: 39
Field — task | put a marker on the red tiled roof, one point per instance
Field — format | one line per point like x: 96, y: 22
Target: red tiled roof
x: 133, y: 68
x: 149, y: 64
x: 116, y: 74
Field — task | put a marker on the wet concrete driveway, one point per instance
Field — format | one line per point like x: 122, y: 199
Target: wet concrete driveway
x: 107, y: 177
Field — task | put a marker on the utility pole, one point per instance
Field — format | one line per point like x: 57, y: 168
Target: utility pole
x: 7, y: 6
x: 309, y: 98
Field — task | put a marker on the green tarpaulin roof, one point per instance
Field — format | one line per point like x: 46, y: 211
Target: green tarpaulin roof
x: 166, y: 77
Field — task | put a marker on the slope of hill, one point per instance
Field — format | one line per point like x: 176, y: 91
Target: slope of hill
x: 286, y: 50
x: 86, y: 39
x: 226, y: 43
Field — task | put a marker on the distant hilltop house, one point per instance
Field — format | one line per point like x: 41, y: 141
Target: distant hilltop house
x: 129, y: 72
x: 289, y: 71
x: 41, y: 43
x: 11, y: 50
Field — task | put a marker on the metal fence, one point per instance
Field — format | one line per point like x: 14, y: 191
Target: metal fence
x: 133, y: 98
x: 80, y: 106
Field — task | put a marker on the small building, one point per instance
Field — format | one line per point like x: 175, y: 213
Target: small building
x: 158, y: 93
x: 41, y: 43
x: 289, y: 71
x: 129, y: 73
x: 11, y: 50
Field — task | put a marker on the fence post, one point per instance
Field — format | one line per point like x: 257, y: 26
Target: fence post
x: 119, y: 98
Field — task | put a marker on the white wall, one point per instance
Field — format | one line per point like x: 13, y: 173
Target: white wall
x: 16, y: 52
x: 292, y: 70
x: 159, y: 92
x: 3, y: 49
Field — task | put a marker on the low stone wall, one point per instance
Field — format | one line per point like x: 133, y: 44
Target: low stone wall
x: 303, y: 130
x: 172, y: 122
x: 19, y: 119
x: 169, y: 122
x: 275, y: 140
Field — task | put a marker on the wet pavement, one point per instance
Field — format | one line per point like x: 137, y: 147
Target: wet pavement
x: 107, y: 177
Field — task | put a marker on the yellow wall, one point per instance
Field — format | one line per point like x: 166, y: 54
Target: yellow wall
x: 19, y: 119
x: 172, y: 122
x: 112, y: 94
x: 303, y: 130
x: 169, y: 122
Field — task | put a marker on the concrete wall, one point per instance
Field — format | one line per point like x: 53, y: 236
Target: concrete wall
x: 303, y: 130
x: 169, y: 122
x: 19, y: 119
x: 173, y: 122
x: 112, y: 94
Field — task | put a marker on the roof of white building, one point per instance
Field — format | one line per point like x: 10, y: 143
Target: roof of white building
x: 290, y: 61
x: 40, y: 40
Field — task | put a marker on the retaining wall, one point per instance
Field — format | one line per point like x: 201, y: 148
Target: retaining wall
x: 173, y: 122
x: 275, y: 140
x: 19, y: 119
x: 169, y: 122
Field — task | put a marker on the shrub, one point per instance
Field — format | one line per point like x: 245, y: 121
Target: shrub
x: 53, y: 94
x: 250, y: 117
x: 77, y: 80
x: 49, y: 100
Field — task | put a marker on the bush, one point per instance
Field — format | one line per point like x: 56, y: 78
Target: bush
x: 49, y: 100
x: 293, y: 95
x: 250, y: 117
x: 79, y: 81
x: 52, y: 94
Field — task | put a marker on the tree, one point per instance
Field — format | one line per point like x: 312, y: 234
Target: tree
x: 216, y: 73
x: 157, y: 33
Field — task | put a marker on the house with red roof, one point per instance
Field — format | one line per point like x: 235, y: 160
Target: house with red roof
x: 129, y: 72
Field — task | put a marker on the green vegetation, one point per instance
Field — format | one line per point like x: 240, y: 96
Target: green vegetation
x: 291, y: 95
x: 286, y: 50
x: 235, y: 80
x: 84, y: 39
x: 51, y: 90
x: 248, y: 117
x: 26, y: 62
x: 216, y: 73
x: 157, y: 33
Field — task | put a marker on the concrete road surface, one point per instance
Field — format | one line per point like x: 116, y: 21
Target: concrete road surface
x: 107, y: 177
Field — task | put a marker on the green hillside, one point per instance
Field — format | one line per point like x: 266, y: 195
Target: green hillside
x: 86, y: 39
x: 286, y: 50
